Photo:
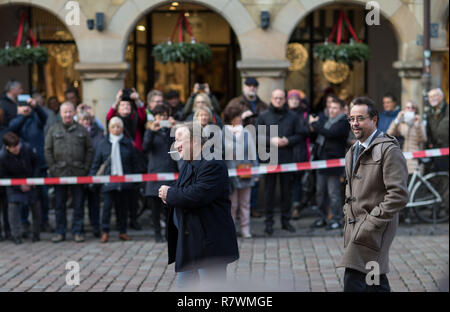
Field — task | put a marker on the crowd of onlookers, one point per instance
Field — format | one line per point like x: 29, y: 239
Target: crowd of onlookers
x: 46, y: 138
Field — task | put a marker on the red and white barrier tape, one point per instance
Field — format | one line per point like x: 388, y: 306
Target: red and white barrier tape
x: 265, y: 169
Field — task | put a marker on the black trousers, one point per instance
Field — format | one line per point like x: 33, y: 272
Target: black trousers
x: 121, y: 201
x: 133, y: 207
x: 285, y: 192
x: 4, y: 218
x: 355, y: 281
x: 158, y: 209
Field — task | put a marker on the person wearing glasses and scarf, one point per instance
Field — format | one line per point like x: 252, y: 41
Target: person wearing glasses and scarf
x: 117, y: 154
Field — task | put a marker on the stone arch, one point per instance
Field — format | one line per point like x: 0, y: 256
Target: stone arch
x: 57, y: 8
x: 126, y: 17
x: 288, y: 18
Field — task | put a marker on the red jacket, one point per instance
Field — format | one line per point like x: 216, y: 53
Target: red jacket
x: 141, y: 119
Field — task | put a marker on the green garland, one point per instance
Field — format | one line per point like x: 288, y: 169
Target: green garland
x: 182, y: 53
x: 344, y: 53
x: 15, y: 56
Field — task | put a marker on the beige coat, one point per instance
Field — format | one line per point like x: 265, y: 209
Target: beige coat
x: 375, y: 193
x: 415, y: 138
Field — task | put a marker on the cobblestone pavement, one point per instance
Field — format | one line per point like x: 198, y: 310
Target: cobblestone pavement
x: 303, y: 261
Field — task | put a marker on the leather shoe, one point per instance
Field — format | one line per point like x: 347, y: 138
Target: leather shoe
x: 96, y: 234
x: 269, y: 230
x: 17, y: 240
x: 124, y: 237
x: 288, y: 227
x: 58, y: 238
x: 104, y: 238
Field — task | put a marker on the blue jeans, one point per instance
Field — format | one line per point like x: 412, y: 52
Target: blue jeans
x: 216, y: 274
x: 254, y: 197
x: 78, y: 209
x: 297, y: 187
x: 329, y: 185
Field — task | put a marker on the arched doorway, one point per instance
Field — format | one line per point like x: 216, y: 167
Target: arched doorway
x: 208, y: 27
x: 373, y: 78
x: 53, y: 78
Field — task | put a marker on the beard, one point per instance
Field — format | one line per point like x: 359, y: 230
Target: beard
x: 359, y: 133
x: 251, y: 95
x: 434, y: 103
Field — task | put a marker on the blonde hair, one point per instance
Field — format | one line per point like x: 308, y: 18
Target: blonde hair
x: 116, y: 120
x: 84, y: 115
x: 204, y: 109
x: 205, y: 98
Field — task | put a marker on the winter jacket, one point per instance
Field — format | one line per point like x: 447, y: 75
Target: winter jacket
x: 133, y: 125
x: 68, y: 150
x: 335, y: 142
x: 257, y: 108
x: 415, y: 138
x: 375, y: 192
x: 157, y: 146
x: 288, y: 126
x: 24, y: 165
x: 238, y: 150
x: 9, y: 108
x: 127, y: 155
x: 31, y: 129
x: 437, y: 126
x: 200, y: 203
x: 386, y: 118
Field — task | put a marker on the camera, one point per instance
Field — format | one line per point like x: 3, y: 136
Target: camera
x: 201, y: 86
x: 126, y: 95
x: 22, y: 100
x: 164, y: 123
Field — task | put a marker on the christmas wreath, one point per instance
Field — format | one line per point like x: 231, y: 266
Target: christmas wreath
x: 23, y: 55
x: 348, y: 53
x: 182, y: 52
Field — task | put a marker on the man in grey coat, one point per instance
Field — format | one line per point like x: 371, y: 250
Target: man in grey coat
x: 376, y: 191
x: 68, y: 152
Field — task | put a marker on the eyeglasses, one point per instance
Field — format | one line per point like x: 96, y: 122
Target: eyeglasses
x: 358, y: 118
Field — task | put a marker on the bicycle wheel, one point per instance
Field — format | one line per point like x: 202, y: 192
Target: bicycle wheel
x: 421, y: 192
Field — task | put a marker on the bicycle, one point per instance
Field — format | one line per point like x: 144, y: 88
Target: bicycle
x: 429, y: 196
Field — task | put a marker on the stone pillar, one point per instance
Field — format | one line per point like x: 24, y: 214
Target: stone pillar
x: 101, y: 82
x: 411, y: 74
x: 271, y: 74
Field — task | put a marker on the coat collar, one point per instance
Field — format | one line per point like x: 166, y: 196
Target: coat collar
x: 378, y: 139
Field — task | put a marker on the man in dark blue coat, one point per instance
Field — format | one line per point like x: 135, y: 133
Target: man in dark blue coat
x: 201, y: 233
